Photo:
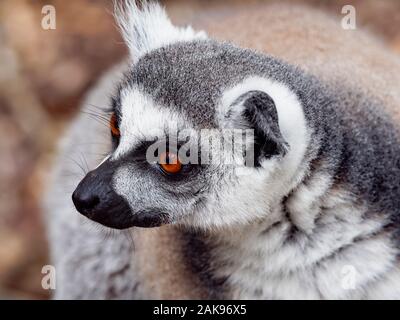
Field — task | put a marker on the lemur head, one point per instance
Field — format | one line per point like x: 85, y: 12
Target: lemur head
x: 204, y: 133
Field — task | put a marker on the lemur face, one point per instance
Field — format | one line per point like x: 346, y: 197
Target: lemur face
x: 200, y: 132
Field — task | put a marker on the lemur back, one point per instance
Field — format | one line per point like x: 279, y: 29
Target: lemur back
x: 175, y: 262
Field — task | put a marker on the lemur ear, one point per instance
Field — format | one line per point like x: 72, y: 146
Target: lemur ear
x: 258, y: 111
x: 148, y: 27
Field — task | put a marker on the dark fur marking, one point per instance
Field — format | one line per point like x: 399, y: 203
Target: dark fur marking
x: 270, y: 228
x: 356, y: 240
x: 293, y: 231
x: 197, y: 253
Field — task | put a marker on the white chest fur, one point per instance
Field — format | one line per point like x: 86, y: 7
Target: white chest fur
x: 346, y: 255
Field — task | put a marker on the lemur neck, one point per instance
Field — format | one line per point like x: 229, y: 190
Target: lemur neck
x: 262, y: 259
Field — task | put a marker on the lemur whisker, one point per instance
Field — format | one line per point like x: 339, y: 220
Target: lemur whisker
x: 91, y: 144
x: 129, y: 237
x: 97, y: 118
x: 77, y: 163
x: 85, y: 161
x: 106, y: 110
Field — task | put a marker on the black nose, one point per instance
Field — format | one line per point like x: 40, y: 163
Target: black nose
x: 93, y: 195
x: 95, y: 198
x: 85, y: 200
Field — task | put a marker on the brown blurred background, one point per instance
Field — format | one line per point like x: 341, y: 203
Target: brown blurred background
x: 43, y: 76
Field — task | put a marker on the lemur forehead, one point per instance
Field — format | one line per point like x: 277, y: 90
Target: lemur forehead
x: 140, y: 112
x: 143, y: 119
x: 192, y: 76
x: 181, y: 77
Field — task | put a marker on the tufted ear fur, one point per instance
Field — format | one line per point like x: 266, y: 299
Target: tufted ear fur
x: 258, y: 111
x: 148, y: 27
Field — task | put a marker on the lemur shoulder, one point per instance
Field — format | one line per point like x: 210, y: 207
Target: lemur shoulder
x: 322, y: 200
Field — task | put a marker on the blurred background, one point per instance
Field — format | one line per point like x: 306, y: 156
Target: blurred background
x: 43, y: 76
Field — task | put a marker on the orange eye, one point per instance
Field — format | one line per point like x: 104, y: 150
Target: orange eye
x: 114, y: 126
x: 170, y: 163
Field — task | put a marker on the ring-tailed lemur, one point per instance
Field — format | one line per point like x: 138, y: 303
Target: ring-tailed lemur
x: 316, y: 217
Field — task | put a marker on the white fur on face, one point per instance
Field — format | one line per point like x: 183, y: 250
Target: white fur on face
x: 244, y: 194
x: 143, y: 120
x: 149, y: 28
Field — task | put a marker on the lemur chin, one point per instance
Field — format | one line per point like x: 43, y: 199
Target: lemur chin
x: 316, y: 215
